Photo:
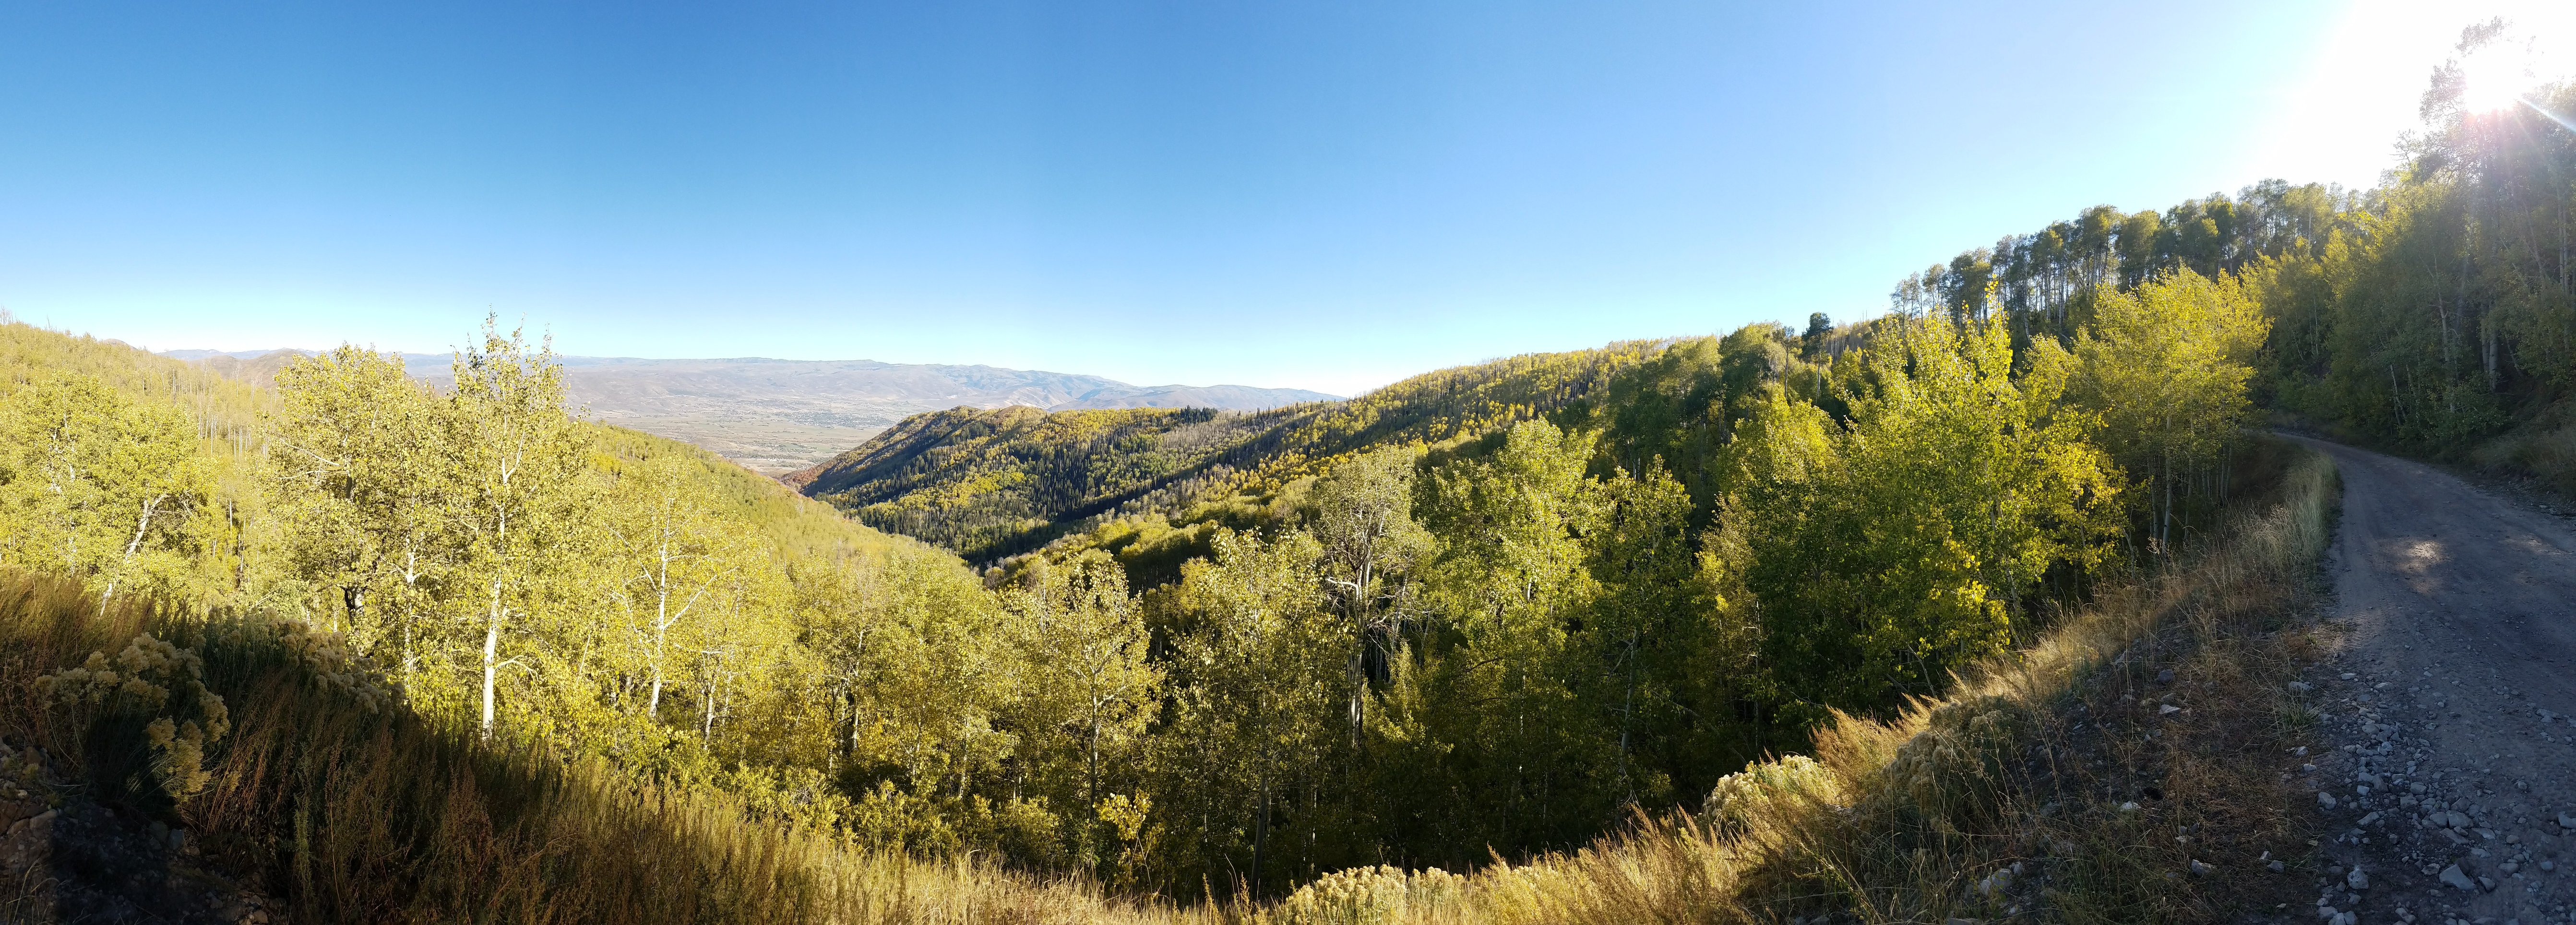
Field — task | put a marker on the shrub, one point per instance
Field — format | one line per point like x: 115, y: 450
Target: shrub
x: 155, y: 679
x: 1741, y: 798
x: 1369, y: 896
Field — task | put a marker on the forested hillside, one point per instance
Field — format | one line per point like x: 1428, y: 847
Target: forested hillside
x: 997, y: 483
x: 1493, y: 608
x: 2434, y: 315
x: 1487, y: 610
x: 1527, y: 618
x: 777, y: 416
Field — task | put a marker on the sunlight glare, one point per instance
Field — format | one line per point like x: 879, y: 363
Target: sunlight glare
x: 2495, y: 77
x: 2369, y: 68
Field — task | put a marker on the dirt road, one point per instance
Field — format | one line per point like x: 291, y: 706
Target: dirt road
x: 2446, y: 747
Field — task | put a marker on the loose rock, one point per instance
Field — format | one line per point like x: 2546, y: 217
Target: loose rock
x: 2453, y: 878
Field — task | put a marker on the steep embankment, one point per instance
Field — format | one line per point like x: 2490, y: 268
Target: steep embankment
x: 990, y: 484
x: 2447, y: 761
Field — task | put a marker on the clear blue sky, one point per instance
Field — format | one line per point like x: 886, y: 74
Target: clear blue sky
x: 1316, y: 194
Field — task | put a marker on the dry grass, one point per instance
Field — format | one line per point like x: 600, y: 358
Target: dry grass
x: 2540, y: 451
x: 351, y: 816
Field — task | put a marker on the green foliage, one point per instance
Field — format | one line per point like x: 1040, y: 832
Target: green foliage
x: 97, y: 485
x: 1491, y: 610
x: 1090, y: 687
x: 2165, y: 368
x: 1911, y: 542
x: 2045, y: 283
x: 1260, y: 668
x: 992, y: 484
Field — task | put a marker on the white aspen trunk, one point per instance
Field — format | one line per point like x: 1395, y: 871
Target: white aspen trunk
x: 707, y: 729
x: 1091, y: 779
x: 1366, y: 632
x: 660, y: 630
x: 142, y: 526
x: 411, y: 576
x: 491, y: 655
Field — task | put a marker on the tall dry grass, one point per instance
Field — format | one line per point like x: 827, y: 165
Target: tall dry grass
x: 352, y: 815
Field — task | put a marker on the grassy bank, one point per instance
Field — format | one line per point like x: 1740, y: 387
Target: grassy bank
x: 2539, y: 453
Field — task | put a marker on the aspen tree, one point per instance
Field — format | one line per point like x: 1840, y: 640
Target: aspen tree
x: 1363, y: 522
x: 1510, y: 583
x: 923, y: 666
x: 739, y: 643
x: 358, y: 473
x: 1907, y: 542
x: 2166, y: 367
x: 99, y: 485
x: 672, y: 554
x: 517, y: 463
x: 1090, y: 682
x: 1263, y: 654
x: 1651, y: 621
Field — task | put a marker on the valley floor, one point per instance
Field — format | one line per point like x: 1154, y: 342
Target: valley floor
x: 2447, y: 745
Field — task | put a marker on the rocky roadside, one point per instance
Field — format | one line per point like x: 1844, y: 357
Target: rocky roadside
x: 2442, y: 766
x: 2420, y: 834
x: 65, y: 858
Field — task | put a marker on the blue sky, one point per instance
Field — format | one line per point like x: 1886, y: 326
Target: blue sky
x: 1315, y: 194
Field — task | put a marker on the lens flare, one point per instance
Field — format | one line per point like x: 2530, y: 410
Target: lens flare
x: 2494, y: 78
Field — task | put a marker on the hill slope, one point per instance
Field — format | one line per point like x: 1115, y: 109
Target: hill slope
x: 990, y: 484
x: 228, y: 398
x: 778, y: 415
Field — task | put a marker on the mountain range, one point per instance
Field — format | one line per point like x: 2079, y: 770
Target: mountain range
x: 777, y: 416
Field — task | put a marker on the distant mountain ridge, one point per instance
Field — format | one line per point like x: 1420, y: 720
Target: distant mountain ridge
x: 776, y: 416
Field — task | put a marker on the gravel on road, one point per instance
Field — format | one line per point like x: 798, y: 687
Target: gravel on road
x: 2445, y: 737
